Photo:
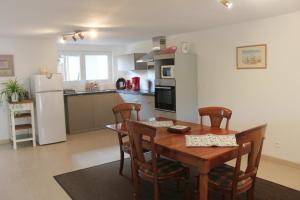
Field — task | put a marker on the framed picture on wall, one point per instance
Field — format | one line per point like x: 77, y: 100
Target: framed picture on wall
x: 6, y: 65
x: 251, y: 57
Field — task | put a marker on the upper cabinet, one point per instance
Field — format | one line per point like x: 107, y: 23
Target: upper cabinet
x: 128, y: 62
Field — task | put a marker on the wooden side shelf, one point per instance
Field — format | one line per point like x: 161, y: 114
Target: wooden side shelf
x: 22, y: 110
x: 22, y: 115
x: 24, y: 137
x: 23, y: 126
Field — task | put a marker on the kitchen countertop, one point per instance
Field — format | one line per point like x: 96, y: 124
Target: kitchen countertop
x: 140, y: 92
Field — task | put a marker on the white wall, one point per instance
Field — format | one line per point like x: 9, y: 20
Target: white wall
x: 256, y: 96
x: 29, y: 57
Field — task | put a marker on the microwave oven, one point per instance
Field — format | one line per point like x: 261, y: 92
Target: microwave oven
x: 167, y: 71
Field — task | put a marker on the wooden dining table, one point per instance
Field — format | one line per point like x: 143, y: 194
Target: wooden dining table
x: 173, y: 145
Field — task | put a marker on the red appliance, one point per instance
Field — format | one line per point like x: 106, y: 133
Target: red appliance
x: 136, y: 83
x: 128, y: 84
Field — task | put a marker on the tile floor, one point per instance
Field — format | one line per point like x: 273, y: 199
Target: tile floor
x: 27, y: 174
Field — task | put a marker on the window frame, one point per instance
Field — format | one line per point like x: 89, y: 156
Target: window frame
x: 82, y: 55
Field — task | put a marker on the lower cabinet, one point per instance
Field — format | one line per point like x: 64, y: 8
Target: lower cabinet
x: 147, y: 102
x: 103, y: 104
x: 94, y: 111
x: 79, y: 114
x: 89, y: 112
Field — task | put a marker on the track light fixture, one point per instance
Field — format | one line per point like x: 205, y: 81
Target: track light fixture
x: 226, y: 3
x: 78, y: 35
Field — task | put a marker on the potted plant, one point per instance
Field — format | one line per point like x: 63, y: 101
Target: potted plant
x: 13, y: 91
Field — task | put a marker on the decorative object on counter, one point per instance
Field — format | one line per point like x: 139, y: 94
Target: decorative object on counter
x: 208, y: 140
x: 13, y: 91
x: 44, y: 70
x: 179, y: 129
x: 90, y: 86
x: 128, y: 85
x: 170, y: 49
x: 121, y: 84
x: 6, y: 65
x: 185, y: 47
x: 251, y: 57
x: 136, y: 83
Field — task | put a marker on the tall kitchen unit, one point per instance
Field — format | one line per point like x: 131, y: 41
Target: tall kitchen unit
x: 186, y: 81
x: 47, y: 92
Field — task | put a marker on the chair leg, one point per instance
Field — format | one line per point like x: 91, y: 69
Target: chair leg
x: 136, y: 184
x: 250, y: 194
x: 223, y: 196
x: 178, y: 184
x: 186, y: 185
x: 197, y: 186
x: 233, y: 197
x: 121, y: 162
x: 156, y: 190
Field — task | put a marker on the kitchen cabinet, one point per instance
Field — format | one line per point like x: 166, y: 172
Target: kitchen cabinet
x: 103, y: 104
x: 147, y: 102
x: 80, y: 113
x: 128, y: 62
x: 90, y: 112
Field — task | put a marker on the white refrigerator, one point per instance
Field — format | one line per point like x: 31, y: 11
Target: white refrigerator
x: 47, y: 92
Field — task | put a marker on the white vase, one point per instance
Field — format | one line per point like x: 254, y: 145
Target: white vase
x: 14, y: 97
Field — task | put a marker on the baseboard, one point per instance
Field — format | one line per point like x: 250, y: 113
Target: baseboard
x: 281, y: 161
x: 5, y: 141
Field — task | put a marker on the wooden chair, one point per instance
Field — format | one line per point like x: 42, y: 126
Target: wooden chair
x: 125, y: 112
x: 155, y: 169
x: 232, y: 181
x: 216, y: 115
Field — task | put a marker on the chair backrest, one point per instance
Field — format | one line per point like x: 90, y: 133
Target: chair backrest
x: 125, y: 111
x: 137, y: 133
x: 216, y: 115
x: 254, y: 138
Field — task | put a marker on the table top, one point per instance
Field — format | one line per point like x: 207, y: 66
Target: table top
x: 176, y: 142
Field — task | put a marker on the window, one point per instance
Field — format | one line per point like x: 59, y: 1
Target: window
x: 85, y: 66
x: 71, y: 67
x: 96, y: 67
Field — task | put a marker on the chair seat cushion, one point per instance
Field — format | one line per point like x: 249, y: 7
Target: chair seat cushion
x: 222, y: 177
x: 165, y: 167
x: 126, y: 147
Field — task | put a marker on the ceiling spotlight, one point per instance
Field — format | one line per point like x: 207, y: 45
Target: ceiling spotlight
x: 81, y: 35
x: 74, y: 37
x: 93, y: 34
x: 227, y: 3
x: 63, y: 39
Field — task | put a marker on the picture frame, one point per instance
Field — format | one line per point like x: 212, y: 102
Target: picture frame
x: 251, y: 57
x: 6, y: 65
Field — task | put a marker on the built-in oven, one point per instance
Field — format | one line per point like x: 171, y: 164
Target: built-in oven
x: 165, y: 97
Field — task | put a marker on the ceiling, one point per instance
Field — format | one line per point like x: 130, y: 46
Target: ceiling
x: 126, y: 21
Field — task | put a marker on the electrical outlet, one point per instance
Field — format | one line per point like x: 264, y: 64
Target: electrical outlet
x: 277, y: 145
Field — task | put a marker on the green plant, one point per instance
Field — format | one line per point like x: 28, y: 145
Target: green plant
x: 13, y: 87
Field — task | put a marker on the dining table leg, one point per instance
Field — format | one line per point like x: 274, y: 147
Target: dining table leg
x: 203, y: 186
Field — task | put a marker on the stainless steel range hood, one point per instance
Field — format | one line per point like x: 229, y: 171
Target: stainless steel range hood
x: 159, y: 43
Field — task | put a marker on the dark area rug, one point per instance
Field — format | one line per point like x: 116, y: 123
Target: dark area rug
x: 103, y: 182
